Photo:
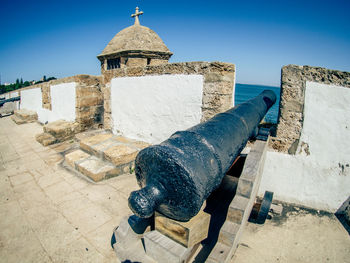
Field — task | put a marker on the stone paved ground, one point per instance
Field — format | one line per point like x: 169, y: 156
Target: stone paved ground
x: 48, y: 214
x: 298, y: 236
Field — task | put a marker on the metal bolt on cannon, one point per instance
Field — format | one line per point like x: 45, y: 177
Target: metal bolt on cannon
x: 177, y: 175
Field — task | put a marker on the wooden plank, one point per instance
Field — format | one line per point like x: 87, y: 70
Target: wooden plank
x: 188, y: 233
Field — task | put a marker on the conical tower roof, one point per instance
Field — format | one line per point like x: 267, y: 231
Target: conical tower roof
x: 136, y: 38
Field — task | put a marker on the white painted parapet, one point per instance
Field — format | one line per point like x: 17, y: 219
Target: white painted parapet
x: 318, y: 174
x: 31, y: 99
x: 151, y: 108
x: 62, y: 102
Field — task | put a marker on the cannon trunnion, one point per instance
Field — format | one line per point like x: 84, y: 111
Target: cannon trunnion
x: 178, y: 174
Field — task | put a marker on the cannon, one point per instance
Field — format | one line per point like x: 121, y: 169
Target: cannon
x: 177, y: 175
x: 2, y: 102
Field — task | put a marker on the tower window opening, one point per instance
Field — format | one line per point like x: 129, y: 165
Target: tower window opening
x: 113, y: 63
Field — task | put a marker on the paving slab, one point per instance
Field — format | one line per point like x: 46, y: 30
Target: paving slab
x: 96, y: 169
x: 45, y: 138
x: 87, y: 143
x: 76, y: 156
x: 26, y: 208
x: 120, y: 154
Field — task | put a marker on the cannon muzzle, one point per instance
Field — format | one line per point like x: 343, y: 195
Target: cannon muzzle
x: 177, y: 175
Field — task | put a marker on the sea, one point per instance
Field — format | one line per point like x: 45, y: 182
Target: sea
x: 245, y: 92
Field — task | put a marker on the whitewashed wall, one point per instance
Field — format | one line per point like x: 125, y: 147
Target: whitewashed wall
x: 151, y: 108
x: 62, y: 102
x: 31, y: 99
x: 319, y: 174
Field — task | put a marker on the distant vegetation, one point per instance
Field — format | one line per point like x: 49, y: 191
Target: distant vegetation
x: 21, y: 84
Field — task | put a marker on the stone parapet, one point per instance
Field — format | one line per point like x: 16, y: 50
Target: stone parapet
x: 89, y: 98
x: 89, y: 101
x: 219, y: 82
x: 291, y: 115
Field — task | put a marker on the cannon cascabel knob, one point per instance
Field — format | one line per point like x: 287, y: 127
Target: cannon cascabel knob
x: 144, y: 201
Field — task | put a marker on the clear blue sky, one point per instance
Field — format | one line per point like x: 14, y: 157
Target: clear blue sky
x: 62, y: 38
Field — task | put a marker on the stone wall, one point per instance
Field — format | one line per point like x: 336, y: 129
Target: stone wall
x: 291, y: 116
x: 309, y: 163
x: 45, y: 90
x: 218, y: 87
x: 89, y: 101
x: 152, y: 108
x: 88, y: 98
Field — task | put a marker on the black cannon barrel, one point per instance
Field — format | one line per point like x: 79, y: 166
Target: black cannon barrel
x: 2, y: 102
x: 178, y: 174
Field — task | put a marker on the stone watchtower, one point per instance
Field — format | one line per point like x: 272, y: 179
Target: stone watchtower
x: 135, y: 45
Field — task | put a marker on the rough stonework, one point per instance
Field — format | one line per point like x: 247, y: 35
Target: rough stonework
x: 24, y: 116
x: 134, y: 46
x: 89, y: 102
x: 219, y: 81
x: 293, y: 83
x: 104, y: 155
x: 57, y: 131
x: 89, y: 99
x: 7, y: 109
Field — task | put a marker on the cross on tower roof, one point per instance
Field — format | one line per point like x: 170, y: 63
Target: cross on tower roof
x: 136, y: 15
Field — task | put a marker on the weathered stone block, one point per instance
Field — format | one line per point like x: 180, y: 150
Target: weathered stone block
x: 218, y: 77
x: 26, y: 115
x: 163, y: 249
x: 86, y: 144
x: 138, y: 144
x: 17, y: 120
x: 174, y: 68
x: 96, y: 169
x: 221, y: 67
x: 76, y: 156
x: 191, y: 68
x: 120, y: 154
x: 61, y: 129
x: 154, y: 70
x: 88, y: 80
x: 221, y: 88
x: 89, y: 101
x: 208, y: 113
x: 223, y: 102
x: 83, y: 91
x: 155, y: 62
x: 134, y: 71
x: 45, y: 139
